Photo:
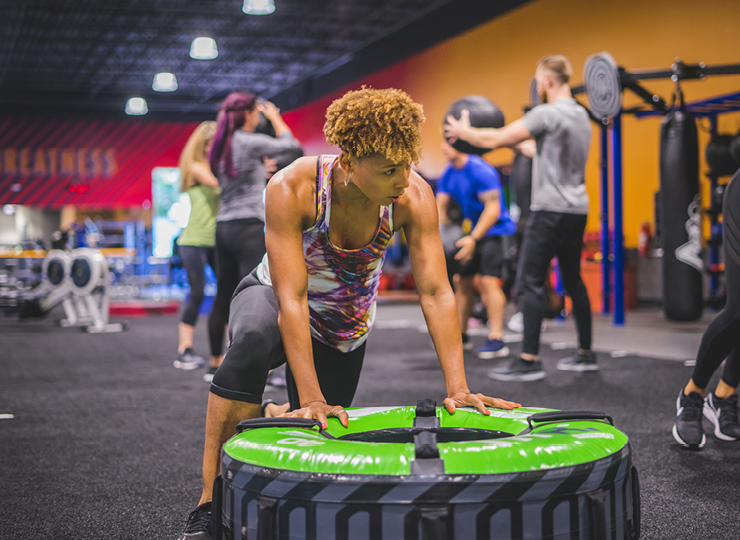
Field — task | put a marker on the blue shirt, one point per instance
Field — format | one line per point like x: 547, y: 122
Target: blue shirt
x: 467, y: 184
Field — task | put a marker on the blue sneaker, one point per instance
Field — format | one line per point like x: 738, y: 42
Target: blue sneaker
x: 492, y: 348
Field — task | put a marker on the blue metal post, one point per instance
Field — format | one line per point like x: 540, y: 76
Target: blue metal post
x: 606, y: 265
x: 618, y: 226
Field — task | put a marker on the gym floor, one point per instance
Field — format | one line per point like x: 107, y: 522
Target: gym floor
x: 106, y: 437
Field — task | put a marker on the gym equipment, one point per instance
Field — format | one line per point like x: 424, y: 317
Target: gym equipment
x: 603, y: 86
x: 681, y: 227
x: 734, y: 149
x: 53, y: 290
x: 719, y: 158
x: 411, y: 473
x: 89, y: 278
x: 483, y: 113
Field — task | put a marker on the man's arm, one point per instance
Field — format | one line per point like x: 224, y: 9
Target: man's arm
x: 492, y: 138
x: 289, y: 208
x: 488, y: 218
x: 419, y: 221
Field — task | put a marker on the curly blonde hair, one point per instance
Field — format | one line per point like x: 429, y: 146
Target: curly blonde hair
x: 369, y: 122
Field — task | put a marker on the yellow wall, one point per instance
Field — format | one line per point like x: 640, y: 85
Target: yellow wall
x: 497, y: 60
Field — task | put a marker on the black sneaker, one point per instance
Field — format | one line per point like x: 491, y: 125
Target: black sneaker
x: 467, y: 344
x: 723, y: 414
x: 579, y: 362
x: 208, y: 376
x: 188, y: 360
x: 688, y: 430
x: 198, y: 526
x: 519, y: 370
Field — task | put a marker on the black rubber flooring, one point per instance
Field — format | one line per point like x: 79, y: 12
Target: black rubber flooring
x: 107, y: 436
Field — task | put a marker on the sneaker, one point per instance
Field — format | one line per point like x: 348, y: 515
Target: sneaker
x: 198, y: 526
x: 688, y: 430
x: 723, y: 414
x: 467, y: 344
x: 492, y: 348
x: 579, y: 362
x: 208, y: 377
x: 519, y: 370
x: 188, y: 360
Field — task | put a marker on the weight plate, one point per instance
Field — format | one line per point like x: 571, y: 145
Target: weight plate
x: 603, y: 86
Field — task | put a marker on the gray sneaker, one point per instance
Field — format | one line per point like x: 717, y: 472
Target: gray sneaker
x: 518, y: 370
x: 579, y: 362
x: 688, y: 430
x: 188, y: 360
x: 722, y: 413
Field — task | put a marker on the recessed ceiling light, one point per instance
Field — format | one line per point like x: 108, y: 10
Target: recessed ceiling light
x: 258, y: 7
x: 165, y: 82
x: 136, y: 106
x: 203, y: 48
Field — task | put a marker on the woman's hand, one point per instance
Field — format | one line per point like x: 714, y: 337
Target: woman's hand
x: 479, y: 401
x: 269, y: 110
x: 457, y: 129
x: 318, y: 410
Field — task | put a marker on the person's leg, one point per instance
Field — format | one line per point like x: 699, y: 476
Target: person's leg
x: 252, y: 246
x: 227, y: 278
x: 569, y: 250
x: 718, y: 343
x: 490, y: 270
x: 538, y: 249
x: 338, y: 374
x: 193, y: 259
x: 237, y: 387
x: 495, y: 300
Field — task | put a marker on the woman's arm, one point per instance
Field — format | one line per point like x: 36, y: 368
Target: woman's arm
x: 419, y: 221
x: 202, y: 175
x: 289, y: 209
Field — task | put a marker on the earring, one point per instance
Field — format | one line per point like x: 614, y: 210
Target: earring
x: 346, y: 179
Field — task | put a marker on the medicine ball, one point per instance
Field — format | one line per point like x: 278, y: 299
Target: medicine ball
x: 735, y: 149
x: 483, y: 113
x: 718, y: 156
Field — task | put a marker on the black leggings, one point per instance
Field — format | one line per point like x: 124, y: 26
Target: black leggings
x: 257, y: 347
x: 721, y: 337
x: 548, y: 235
x: 194, y: 260
x: 240, y: 245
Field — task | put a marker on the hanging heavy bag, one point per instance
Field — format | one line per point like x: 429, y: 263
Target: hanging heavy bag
x: 680, y: 215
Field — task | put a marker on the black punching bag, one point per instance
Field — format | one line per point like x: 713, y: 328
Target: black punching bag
x: 681, y: 218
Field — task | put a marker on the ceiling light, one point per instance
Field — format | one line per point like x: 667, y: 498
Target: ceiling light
x: 258, y: 7
x: 136, y: 106
x: 165, y: 82
x: 203, y: 48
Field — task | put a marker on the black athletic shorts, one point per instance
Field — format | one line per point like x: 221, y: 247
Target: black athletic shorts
x: 487, y: 259
x: 257, y: 347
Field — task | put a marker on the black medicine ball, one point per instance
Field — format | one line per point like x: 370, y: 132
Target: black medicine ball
x: 483, y: 113
x: 718, y: 156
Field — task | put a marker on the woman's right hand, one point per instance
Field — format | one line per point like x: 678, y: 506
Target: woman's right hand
x: 319, y: 410
x: 269, y: 110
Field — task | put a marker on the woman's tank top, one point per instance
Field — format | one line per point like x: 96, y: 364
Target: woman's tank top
x: 342, y: 283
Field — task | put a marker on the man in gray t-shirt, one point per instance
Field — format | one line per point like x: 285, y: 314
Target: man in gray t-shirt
x: 556, y: 135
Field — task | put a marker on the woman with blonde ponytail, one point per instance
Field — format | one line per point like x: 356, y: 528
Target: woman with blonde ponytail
x: 197, y: 243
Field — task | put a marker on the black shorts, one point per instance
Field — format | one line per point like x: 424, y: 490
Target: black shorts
x: 487, y: 259
x: 257, y: 347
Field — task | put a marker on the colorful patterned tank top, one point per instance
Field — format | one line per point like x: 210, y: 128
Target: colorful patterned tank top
x: 342, y: 283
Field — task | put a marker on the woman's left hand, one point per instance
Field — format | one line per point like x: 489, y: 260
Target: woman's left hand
x: 479, y: 401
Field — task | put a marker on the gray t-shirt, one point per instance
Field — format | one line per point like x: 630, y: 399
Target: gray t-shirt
x: 241, y: 197
x: 562, y: 131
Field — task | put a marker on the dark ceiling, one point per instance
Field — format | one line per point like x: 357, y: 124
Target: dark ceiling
x: 87, y: 57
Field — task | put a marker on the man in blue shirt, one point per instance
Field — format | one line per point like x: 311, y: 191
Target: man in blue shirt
x: 476, y: 187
